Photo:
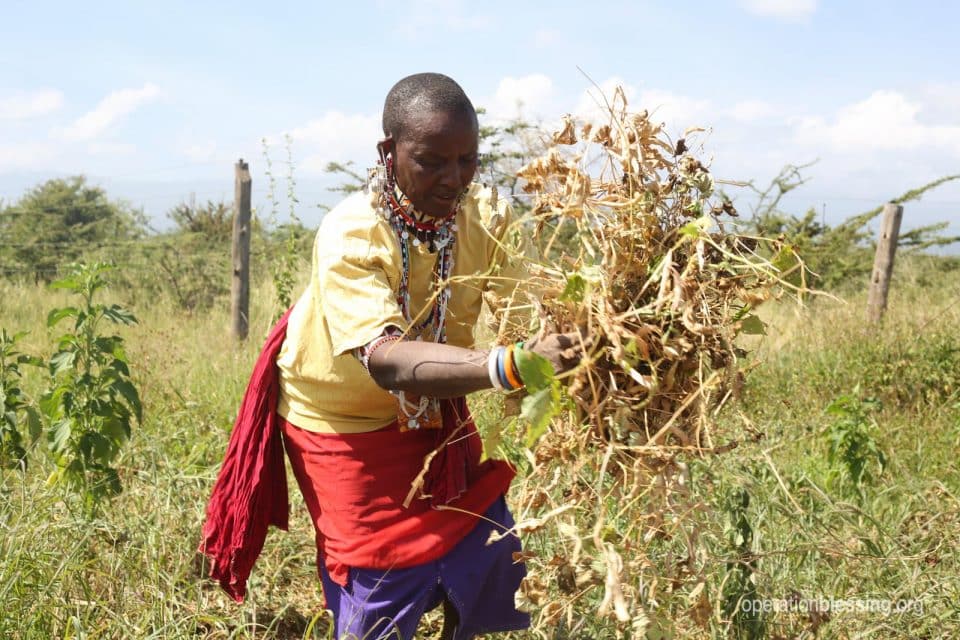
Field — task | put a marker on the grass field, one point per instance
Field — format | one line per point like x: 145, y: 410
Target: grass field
x: 779, y: 517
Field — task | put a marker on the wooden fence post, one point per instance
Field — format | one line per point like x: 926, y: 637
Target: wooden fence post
x: 883, y: 262
x: 240, y: 289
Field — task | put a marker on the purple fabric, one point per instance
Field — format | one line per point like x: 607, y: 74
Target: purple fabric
x: 479, y: 580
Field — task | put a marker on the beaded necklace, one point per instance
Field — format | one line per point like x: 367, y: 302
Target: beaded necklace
x: 440, y: 237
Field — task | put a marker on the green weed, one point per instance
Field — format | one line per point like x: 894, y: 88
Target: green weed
x: 852, y: 439
x: 92, y: 401
x: 739, y: 583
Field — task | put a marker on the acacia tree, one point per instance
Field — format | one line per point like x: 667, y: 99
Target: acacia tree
x: 60, y: 221
x: 507, y: 146
x: 213, y: 221
x: 841, y: 255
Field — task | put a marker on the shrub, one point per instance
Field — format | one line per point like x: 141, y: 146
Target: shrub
x: 92, y: 400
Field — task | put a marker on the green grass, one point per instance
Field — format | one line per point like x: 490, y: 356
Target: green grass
x: 816, y: 533
x: 133, y: 572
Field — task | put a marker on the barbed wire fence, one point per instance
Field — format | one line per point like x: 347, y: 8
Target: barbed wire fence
x: 139, y: 254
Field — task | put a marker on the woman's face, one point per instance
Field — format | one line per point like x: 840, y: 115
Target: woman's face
x: 435, y: 159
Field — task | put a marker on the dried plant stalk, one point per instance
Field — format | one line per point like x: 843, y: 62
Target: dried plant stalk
x: 664, y: 287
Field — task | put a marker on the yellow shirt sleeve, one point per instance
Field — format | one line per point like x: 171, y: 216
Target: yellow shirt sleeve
x: 358, y: 299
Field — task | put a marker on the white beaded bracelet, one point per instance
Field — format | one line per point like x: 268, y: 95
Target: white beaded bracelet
x: 492, y: 368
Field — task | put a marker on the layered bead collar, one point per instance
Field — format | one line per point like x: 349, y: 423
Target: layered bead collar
x: 436, y: 233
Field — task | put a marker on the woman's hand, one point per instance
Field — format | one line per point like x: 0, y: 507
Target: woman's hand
x: 563, y: 350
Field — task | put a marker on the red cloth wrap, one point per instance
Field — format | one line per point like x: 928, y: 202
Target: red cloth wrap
x: 354, y: 486
x: 251, y: 490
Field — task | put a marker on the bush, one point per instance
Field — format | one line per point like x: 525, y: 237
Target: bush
x: 92, y: 400
x: 60, y: 221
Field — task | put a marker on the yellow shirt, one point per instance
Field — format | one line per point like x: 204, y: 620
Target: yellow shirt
x: 352, y: 298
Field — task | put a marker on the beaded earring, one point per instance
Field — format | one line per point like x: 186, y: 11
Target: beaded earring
x: 378, y: 176
x: 376, y: 179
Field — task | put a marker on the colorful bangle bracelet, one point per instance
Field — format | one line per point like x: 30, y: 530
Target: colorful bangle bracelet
x: 501, y: 371
x: 518, y: 347
x: 510, y: 368
x: 492, y: 359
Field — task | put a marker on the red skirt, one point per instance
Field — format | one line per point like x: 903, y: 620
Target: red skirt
x: 355, y: 487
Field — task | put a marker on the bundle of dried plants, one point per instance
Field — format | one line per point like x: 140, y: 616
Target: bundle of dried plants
x: 640, y: 256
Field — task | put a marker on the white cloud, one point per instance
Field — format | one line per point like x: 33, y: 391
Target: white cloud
x: 335, y: 136
x: 885, y: 121
x: 786, y: 10
x: 591, y: 105
x: 544, y: 38
x: 109, y: 111
x: 752, y: 110
x: 30, y: 104
x: 941, y: 103
x: 676, y: 111
x: 530, y: 95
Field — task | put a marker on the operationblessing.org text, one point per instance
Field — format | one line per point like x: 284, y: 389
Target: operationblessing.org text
x: 874, y: 606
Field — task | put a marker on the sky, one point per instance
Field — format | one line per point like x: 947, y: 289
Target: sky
x: 156, y: 101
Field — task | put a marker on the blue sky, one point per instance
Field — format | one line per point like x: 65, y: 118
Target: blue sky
x: 157, y: 100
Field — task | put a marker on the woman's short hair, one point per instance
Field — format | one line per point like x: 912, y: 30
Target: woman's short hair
x: 420, y: 93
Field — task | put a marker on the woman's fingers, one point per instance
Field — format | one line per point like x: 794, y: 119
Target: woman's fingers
x: 563, y: 350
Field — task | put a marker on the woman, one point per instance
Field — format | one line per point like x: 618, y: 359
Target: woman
x: 373, y: 369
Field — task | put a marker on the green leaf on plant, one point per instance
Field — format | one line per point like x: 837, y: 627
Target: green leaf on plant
x: 119, y: 315
x: 71, y: 282
x: 57, y: 315
x: 120, y: 366
x: 106, y: 344
x: 537, y: 409
x: 67, y: 342
x: 575, y: 288
x: 119, y: 353
x: 129, y: 393
x: 754, y: 326
x: 97, y: 447
x: 31, y: 360
x: 697, y: 227
x: 536, y: 372
x: 50, y: 402
x: 787, y: 262
x: 34, y: 425
x: 61, y: 361
x: 60, y: 435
